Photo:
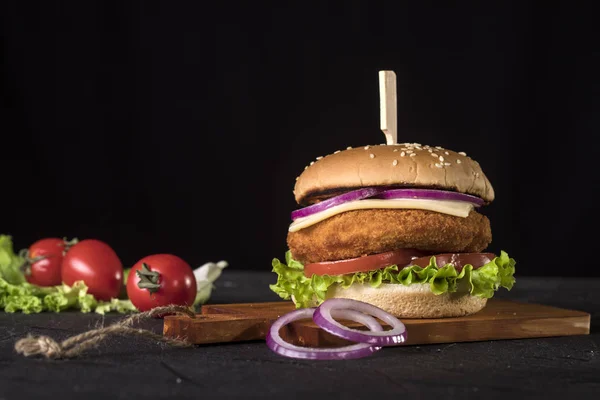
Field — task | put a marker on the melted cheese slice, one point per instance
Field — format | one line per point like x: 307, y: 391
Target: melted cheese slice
x: 450, y: 207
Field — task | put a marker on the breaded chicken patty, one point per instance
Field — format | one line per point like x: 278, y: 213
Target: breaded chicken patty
x: 362, y: 232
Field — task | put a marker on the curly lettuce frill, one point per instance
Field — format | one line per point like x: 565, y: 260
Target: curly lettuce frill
x: 481, y: 282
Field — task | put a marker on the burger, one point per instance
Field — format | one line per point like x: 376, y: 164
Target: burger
x: 398, y: 226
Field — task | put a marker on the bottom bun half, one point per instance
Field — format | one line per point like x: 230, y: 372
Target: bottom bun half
x: 412, y: 301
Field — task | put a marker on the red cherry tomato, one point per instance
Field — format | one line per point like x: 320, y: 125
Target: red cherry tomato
x: 44, y: 259
x: 161, y: 280
x: 97, y: 265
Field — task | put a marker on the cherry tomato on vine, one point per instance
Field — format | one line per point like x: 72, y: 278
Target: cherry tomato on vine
x: 161, y: 280
x: 97, y: 265
x: 43, y: 260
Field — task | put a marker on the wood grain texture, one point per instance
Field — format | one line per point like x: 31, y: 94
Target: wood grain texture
x: 500, y: 319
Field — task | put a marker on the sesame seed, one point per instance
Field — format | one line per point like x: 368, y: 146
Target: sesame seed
x: 409, y: 151
x: 446, y: 153
x: 306, y: 167
x: 434, y: 155
x: 439, y: 147
x: 447, y: 163
x: 337, y: 151
x: 367, y: 147
x: 318, y: 158
x: 442, y: 158
x: 429, y: 150
x: 402, y: 154
x: 349, y: 148
x: 312, y: 162
x: 458, y: 161
x: 477, y: 174
x: 395, y: 163
x: 438, y: 165
x: 372, y: 155
x: 395, y: 149
x: 413, y: 154
x: 297, y: 178
x: 462, y: 153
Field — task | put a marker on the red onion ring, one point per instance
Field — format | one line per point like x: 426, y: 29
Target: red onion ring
x: 382, y: 193
x: 359, y: 350
x: 334, y: 201
x: 433, y: 194
x: 323, y: 317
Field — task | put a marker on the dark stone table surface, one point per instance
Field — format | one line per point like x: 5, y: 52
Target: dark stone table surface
x: 134, y: 368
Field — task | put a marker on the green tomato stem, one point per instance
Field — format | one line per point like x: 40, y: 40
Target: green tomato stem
x: 148, y: 278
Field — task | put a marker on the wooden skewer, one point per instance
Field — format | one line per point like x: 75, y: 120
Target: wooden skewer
x: 387, y: 106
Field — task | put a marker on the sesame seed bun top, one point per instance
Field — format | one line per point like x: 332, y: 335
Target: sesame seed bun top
x: 400, y: 165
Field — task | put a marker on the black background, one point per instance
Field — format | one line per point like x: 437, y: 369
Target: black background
x: 180, y: 126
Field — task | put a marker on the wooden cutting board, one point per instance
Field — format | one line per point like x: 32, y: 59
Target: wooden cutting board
x: 500, y: 319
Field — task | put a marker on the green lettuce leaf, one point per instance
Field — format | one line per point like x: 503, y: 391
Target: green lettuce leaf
x: 309, y: 292
x: 66, y: 297
x: 10, y: 263
x: 118, y: 305
x: 28, y: 304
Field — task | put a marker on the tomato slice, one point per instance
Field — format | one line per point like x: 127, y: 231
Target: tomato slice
x: 401, y: 257
x: 459, y: 260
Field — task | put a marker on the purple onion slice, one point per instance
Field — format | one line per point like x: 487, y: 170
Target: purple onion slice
x: 324, y: 318
x: 359, y: 350
x: 433, y: 194
x: 390, y: 194
x: 335, y: 201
